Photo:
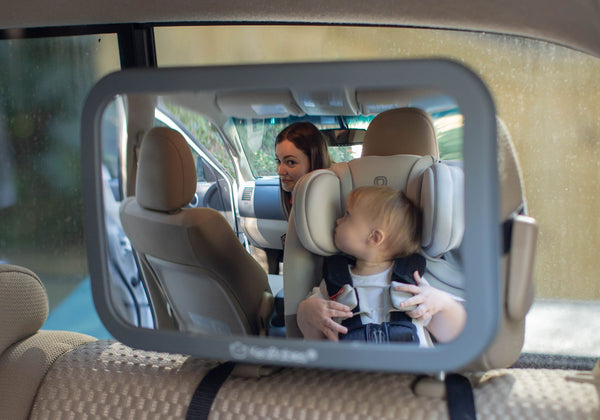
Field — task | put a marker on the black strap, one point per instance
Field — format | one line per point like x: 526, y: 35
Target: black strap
x: 335, y: 273
x: 207, y: 391
x: 404, y: 268
x: 459, y: 396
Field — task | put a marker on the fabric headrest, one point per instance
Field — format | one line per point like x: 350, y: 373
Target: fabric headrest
x: 441, y: 199
x: 24, y: 307
x: 408, y: 131
x: 437, y: 188
x: 166, y: 176
x: 317, y: 205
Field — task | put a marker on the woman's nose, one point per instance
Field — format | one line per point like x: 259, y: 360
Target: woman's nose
x: 281, y: 170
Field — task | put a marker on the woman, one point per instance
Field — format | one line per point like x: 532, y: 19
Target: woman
x: 299, y: 149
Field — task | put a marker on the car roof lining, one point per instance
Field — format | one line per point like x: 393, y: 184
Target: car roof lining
x: 574, y: 24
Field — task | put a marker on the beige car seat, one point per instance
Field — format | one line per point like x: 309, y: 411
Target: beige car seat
x: 26, y: 353
x: 520, y: 238
x: 190, y: 257
x: 66, y: 375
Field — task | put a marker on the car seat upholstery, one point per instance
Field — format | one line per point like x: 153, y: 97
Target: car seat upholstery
x: 108, y: 380
x: 66, y: 375
x: 26, y: 353
x: 319, y: 199
x: 520, y: 238
x: 412, y: 127
x: 191, y: 255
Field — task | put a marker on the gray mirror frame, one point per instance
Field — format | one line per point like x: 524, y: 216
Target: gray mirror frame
x: 480, y: 244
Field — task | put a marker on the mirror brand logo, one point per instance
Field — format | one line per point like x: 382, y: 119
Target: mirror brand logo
x: 380, y: 180
x: 241, y: 351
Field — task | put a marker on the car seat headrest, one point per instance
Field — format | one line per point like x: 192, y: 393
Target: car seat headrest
x: 436, y: 188
x: 166, y: 177
x: 24, y: 306
x: 408, y: 131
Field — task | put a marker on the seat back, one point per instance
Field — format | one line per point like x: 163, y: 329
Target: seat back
x: 320, y: 198
x: 191, y: 257
x: 520, y: 239
x: 26, y: 353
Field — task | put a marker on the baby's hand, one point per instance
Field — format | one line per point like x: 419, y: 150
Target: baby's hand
x: 426, y: 300
x: 315, y: 318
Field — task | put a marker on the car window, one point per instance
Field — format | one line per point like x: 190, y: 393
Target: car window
x: 544, y: 93
x: 258, y: 138
x: 203, y: 132
x: 43, y: 85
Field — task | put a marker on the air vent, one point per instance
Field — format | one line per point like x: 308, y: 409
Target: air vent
x: 247, y: 194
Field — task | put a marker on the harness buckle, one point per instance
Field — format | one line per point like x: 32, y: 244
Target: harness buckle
x: 376, y: 333
x: 397, y: 297
x: 346, y: 296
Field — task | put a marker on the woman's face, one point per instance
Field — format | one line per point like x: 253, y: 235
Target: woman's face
x: 292, y: 164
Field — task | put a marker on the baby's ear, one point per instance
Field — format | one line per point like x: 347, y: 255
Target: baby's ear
x: 377, y: 236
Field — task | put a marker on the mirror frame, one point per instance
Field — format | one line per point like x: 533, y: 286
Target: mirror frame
x: 481, y: 243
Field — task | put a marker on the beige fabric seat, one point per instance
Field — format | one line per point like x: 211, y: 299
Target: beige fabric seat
x: 108, y: 380
x: 520, y: 239
x: 64, y: 375
x: 190, y: 257
x: 26, y: 353
x: 404, y: 131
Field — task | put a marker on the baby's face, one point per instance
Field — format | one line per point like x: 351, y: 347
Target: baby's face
x: 352, y: 231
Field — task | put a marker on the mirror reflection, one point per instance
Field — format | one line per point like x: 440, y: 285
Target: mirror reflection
x: 229, y: 213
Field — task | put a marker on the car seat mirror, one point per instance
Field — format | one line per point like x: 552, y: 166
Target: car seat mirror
x: 119, y: 111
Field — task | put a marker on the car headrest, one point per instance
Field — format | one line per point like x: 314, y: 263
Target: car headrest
x: 24, y: 306
x: 436, y: 188
x: 166, y: 176
x: 408, y: 131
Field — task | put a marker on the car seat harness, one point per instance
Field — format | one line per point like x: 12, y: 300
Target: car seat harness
x: 400, y: 327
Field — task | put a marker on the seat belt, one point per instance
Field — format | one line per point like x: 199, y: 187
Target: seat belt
x: 459, y: 397
x: 206, y: 391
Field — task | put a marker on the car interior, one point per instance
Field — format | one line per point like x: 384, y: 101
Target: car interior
x: 195, y: 269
